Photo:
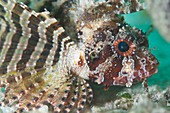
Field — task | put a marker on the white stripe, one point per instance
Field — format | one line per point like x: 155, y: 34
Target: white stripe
x: 2, y: 28
x: 22, y: 45
x: 41, y: 43
x: 12, y: 31
x: 50, y: 57
x: 62, y: 46
x: 69, y: 44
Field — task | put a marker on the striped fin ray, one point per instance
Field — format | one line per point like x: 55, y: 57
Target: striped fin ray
x: 76, y: 95
x: 61, y: 95
x: 28, y: 39
x: 31, y: 42
x: 72, y: 96
x: 18, y: 84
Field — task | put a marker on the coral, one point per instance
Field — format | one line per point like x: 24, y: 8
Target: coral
x: 160, y: 13
x: 136, y: 100
x: 167, y: 97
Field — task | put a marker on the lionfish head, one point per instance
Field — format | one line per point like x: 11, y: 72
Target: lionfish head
x: 119, y: 56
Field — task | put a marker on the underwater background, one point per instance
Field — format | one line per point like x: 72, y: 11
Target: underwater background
x: 159, y: 47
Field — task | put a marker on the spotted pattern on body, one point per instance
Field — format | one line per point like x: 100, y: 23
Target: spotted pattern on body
x: 43, y: 62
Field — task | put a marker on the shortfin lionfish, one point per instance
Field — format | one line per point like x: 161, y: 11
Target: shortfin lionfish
x: 49, y: 61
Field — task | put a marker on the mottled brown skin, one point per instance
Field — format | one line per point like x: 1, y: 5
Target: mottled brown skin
x: 138, y: 50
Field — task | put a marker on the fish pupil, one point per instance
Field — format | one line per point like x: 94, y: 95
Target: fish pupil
x: 123, y: 46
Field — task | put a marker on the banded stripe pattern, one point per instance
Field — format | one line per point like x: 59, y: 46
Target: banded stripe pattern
x: 29, y: 39
x: 30, y: 44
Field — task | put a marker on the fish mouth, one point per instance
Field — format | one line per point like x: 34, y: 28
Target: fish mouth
x: 135, y: 78
x: 150, y: 68
x: 135, y: 75
x: 129, y: 80
x: 144, y: 76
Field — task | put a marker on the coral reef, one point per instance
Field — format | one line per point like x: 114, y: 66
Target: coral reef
x: 160, y: 13
x: 136, y: 100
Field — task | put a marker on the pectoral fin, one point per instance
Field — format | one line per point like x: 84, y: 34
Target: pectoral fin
x: 68, y: 95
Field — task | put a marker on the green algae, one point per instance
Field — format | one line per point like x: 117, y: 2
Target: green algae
x: 124, y: 95
x: 3, y: 90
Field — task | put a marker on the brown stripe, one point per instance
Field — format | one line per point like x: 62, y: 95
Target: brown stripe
x: 41, y: 17
x: 32, y: 42
x: 48, y: 46
x: 66, y: 42
x: 2, y: 37
x: 57, y: 53
x: 14, y: 42
x: 2, y: 10
x: 18, y: 9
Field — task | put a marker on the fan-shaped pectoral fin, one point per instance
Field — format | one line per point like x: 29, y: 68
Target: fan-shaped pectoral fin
x: 29, y: 94
x: 72, y: 96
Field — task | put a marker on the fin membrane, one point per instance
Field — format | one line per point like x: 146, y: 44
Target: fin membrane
x: 27, y: 39
x: 70, y: 95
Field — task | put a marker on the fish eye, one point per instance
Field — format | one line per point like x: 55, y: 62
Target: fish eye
x: 123, y: 46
